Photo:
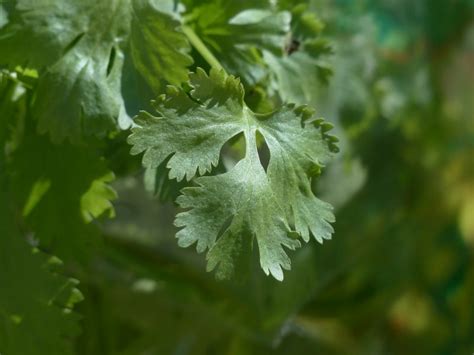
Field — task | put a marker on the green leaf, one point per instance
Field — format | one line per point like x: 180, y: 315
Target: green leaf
x: 261, y: 44
x: 302, y: 68
x: 158, y: 49
x: 79, y: 92
x: 97, y: 199
x: 225, y: 213
x: 80, y: 47
x: 62, y: 189
x: 298, y: 76
x: 236, y: 35
x: 36, y: 302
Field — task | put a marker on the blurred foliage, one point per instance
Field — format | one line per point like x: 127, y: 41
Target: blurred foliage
x: 396, y: 78
x: 397, y: 278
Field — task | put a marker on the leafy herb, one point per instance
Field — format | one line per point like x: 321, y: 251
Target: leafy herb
x: 228, y: 211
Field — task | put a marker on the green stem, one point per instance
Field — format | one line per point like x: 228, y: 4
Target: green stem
x: 201, y: 48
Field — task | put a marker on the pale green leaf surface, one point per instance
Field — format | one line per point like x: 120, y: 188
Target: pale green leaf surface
x: 225, y: 213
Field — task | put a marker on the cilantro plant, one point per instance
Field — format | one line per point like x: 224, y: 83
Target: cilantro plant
x: 168, y: 184
x: 229, y: 137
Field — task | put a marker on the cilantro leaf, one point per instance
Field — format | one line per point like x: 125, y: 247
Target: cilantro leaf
x: 279, y: 49
x: 298, y: 72
x: 73, y: 42
x: 226, y: 212
x: 297, y: 77
x: 35, y: 303
x: 237, y: 35
x: 79, y: 48
x: 62, y: 189
x: 157, y: 47
x: 33, y: 294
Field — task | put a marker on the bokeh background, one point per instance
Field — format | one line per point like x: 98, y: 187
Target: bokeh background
x: 398, y: 275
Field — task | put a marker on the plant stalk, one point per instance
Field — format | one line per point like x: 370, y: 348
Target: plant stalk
x: 201, y: 48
